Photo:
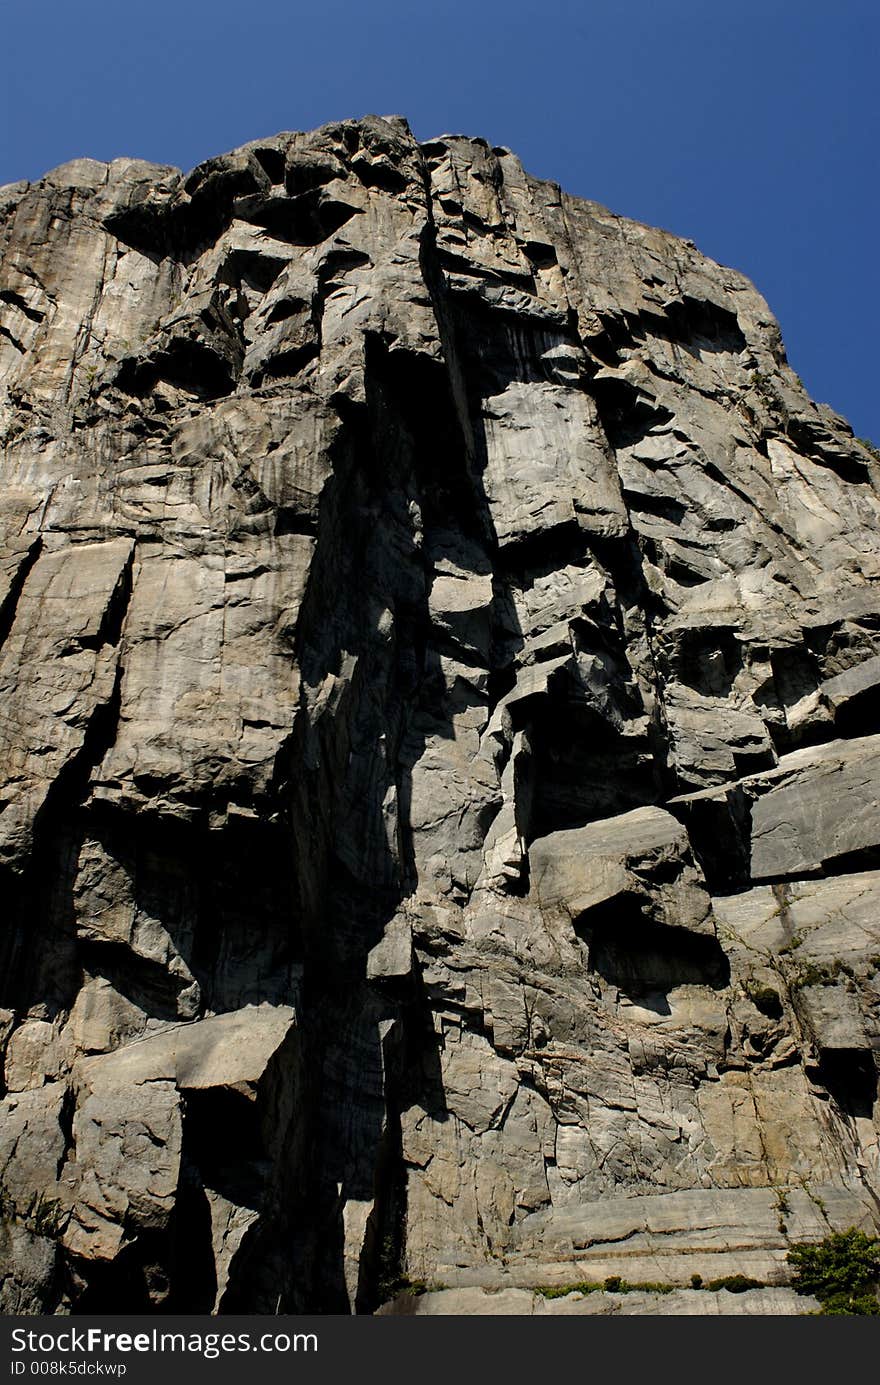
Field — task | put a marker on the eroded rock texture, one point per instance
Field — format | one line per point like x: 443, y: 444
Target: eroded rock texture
x: 439, y: 823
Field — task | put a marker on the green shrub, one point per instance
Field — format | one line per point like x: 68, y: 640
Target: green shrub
x: 734, y: 1283
x: 562, y: 1290
x: 820, y: 974
x: 851, y: 1306
x: 614, y: 1284
x: 842, y: 1272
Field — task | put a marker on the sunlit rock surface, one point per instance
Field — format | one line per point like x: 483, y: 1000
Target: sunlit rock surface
x: 439, y: 749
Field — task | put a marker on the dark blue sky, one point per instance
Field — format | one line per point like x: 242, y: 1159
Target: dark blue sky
x: 750, y: 126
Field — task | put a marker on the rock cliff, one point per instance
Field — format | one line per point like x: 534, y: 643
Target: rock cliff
x: 439, y: 748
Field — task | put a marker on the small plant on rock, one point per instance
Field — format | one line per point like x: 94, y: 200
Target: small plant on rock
x: 842, y: 1272
x: 734, y: 1284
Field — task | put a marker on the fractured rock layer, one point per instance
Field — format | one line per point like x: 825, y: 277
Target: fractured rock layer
x: 439, y: 815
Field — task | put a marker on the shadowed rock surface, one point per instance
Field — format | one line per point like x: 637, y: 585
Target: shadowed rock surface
x: 439, y: 749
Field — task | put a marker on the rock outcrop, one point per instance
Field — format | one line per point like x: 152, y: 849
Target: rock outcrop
x: 439, y: 749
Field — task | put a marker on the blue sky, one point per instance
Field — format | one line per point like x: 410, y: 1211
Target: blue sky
x: 750, y: 127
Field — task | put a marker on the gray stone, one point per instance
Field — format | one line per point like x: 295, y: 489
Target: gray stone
x: 817, y: 809
x: 391, y: 959
x: 231, y: 1050
x: 438, y: 748
x: 825, y: 807
x: 644, y: 854
x: 840, y: 692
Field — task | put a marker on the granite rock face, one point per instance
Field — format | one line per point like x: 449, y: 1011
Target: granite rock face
x: 439, y: 748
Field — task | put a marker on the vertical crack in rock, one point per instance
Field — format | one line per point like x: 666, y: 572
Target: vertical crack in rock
x: 18, y: 567
x: 440, y: 684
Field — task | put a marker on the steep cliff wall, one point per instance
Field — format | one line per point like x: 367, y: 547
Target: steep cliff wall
x: 439, y: 734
